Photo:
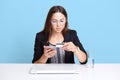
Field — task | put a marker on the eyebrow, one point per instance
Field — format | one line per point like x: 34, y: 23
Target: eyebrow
x: 60, y: 19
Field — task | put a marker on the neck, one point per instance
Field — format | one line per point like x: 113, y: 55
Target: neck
x: 56, y: 38
x: 56, y: 34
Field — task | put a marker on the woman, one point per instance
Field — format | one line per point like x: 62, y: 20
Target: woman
x: 56, y: 31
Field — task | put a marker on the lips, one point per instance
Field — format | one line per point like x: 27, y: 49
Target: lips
x: 58, y: 28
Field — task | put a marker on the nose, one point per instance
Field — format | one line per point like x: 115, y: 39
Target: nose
x: 58, y: 24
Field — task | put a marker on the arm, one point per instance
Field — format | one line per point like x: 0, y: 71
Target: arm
x: 41, y: 52
x: 38, y: 48
x: 43, y: 59
x: 76, y: 47
x: 70, y: 46
x: 82, y: 57
x: 48, y: 53
x: 79, y: 51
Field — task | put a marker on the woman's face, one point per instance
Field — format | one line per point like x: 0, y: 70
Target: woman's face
x: 58, y: 21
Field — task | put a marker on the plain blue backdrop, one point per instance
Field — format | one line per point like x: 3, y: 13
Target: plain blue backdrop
x: 97, y: 23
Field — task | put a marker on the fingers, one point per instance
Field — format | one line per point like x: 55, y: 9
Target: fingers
x: 69, y: 46
x: 52, y: 53
x: 49, y: 52
x: 48, y: 49
x: 65, y: 44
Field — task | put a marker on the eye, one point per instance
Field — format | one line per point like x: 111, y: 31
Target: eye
x: 54, y: 21
x: 61, y: 20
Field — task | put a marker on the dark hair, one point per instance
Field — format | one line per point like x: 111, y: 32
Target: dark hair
x: 47, y: 27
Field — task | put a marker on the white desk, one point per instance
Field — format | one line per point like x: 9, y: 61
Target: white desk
x: 99, y: 72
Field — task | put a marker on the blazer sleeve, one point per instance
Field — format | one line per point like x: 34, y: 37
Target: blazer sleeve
x: 77, y: 42
x: 38, y: 48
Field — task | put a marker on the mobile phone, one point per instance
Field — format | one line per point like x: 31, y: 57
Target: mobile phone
x: 50, y: 47
x: 59, y: 44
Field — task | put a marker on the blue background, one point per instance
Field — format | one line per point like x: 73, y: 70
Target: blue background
x: 97, y: 23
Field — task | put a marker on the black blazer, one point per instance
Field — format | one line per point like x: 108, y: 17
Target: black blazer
x: 41, y: 40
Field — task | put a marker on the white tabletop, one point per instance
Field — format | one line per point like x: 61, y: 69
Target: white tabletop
x: 99, y: 72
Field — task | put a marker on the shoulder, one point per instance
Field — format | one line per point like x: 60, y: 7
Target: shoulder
x: 71, y: 32
x: 70, y: 35
x: 41, y: 36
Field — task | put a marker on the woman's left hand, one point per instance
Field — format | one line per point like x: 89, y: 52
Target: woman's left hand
x: 69, y: 46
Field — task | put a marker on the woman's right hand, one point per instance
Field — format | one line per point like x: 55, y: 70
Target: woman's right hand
x: 49, y: 51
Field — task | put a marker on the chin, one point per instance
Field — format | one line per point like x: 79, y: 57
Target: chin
x: 58, y: 31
